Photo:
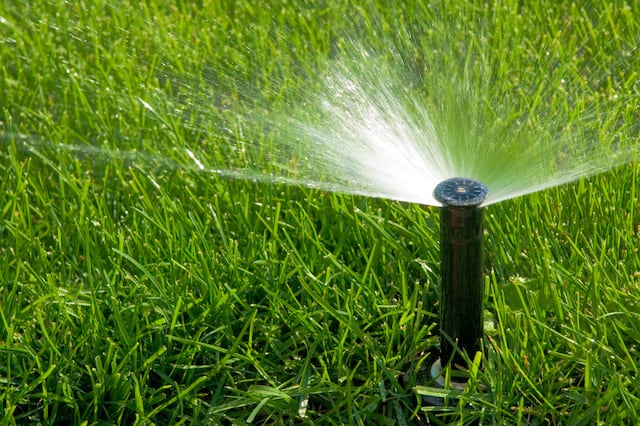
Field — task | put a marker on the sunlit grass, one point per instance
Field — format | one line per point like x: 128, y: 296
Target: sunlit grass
x: 138, y: 288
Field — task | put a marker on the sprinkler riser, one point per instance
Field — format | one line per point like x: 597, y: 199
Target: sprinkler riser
x: 461, y: 268
x: 462, y: 283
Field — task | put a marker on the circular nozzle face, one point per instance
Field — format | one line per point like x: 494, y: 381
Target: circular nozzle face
x: 461, y: 192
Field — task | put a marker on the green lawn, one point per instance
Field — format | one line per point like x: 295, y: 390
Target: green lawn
x: 138, y: 288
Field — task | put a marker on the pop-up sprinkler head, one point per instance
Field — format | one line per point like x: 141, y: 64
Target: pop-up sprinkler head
x: 462, y: 282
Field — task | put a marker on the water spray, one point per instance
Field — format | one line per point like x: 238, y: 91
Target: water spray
x: 462, y: 281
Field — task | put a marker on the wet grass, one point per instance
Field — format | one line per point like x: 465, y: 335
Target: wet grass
x: 138, y: 289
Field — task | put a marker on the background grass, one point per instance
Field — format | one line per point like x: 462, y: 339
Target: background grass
x: 137, y: 289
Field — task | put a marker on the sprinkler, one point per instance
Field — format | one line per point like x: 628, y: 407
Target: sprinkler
x: 462, y: 283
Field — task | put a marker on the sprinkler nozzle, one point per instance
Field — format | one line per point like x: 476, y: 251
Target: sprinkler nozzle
x: 462, y: 274
x: 461, y: 192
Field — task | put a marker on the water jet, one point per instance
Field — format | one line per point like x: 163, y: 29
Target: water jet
x: 461, y: 269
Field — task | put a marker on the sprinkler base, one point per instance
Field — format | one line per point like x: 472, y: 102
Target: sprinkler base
x: 437, y: 374
x: 429, y: 373
x: 439, y: 378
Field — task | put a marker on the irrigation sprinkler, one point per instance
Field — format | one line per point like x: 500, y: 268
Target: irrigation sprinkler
x: 462, y: 282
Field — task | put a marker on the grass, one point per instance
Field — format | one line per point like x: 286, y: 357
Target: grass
x: 137, y: 289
